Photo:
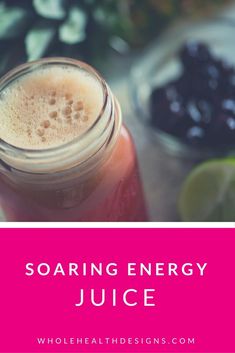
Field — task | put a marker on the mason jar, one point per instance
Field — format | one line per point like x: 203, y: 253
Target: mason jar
x: 94, y: 177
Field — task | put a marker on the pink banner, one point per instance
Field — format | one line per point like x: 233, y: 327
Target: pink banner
x: 117, y: 290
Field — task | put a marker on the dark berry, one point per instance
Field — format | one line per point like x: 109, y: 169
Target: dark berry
x: 231, y: 123
x: 222, y: 133
x: 183, y: 86
x: 195, y: 135
x: 232, y: 80
x: 194, y: 53
x: 211, y: 72
x: 206, y: 110
x: 200, y: 112
x: 193, y: 112
x: 167, y: 110
x: 228, y: 105
x: 230, y: 86
x: 172, y: 93
x: 226, y: 69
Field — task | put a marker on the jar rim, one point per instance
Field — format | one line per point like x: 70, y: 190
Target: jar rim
x: 46, y: 154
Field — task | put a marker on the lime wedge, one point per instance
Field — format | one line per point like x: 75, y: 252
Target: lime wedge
x: 208, y: 193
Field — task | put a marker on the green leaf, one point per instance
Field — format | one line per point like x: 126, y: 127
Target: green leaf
x: 73, y: 30
x: 13, y: 21
x: 38, y: 40
x: 53, y: 9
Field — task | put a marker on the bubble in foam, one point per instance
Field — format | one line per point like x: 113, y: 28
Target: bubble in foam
x: 67, y: 110
x: 46, y: 124
x: 78, y: 106
x: 40, y: 132
x: 52, y: 101
x: 53, y: 114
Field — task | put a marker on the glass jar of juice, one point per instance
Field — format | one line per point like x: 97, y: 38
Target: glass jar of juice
x: 64, y: 153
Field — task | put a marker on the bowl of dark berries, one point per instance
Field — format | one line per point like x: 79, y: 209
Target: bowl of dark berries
x: 184, y: 91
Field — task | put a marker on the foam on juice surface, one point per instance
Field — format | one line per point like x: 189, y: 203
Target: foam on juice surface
x: 49, y: 107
